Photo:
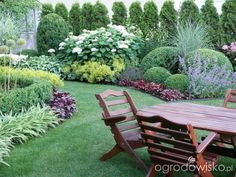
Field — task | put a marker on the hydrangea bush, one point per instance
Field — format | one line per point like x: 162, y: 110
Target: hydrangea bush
x: 205, y: 82
x: 102, y: 45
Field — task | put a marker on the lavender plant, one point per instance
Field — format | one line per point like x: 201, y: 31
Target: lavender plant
x: 205, y: 82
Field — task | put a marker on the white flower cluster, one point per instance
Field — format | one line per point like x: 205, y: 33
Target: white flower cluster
x: 115, y: 35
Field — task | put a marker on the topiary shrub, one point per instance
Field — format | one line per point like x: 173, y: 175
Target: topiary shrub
x: 156, y: 74
x: 166, y: 57
x: 178, y: 82
x: 214, y: 57
x: 52, y: 30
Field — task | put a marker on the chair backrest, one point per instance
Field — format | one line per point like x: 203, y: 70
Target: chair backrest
x: 169, y: 143
x: 115, y: 103
x: 229, y: 97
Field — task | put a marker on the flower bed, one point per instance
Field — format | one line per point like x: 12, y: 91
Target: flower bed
x: 34, y: 92
x: 157, y: 90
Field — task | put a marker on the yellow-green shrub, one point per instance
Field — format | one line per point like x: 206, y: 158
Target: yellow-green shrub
x: 52, y: 78
x: 93, y: 72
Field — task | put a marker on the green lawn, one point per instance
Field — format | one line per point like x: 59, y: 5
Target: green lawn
x: 73, y: 149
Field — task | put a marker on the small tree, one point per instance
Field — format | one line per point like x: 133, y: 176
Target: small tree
x: 168, y: 18
x: 135, y: 14
x: 149, y: 18
x: 210, y: 17
x: 61, y: 10
x: 47, y: 8
x: 228, y: 22
x: 74, y: 18
x: 87, y: 16
x: 100, y: 15
x: 189, y: 12
x: 119, y: 16
x: 52, y: 30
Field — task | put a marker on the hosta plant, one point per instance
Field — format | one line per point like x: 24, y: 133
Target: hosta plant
x: 102, y: 45
x: 63, y: 104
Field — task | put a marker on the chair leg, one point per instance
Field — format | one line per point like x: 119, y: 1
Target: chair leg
x: 115, y: 150
x: 131, y: 152
x: 152, y: 172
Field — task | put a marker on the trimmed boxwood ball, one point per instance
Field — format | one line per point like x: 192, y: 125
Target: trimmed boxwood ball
x: 217, y: 58
x: 156, y: 74
x: 166, y: 57
x: 52, y: 30
x: 177, y: 81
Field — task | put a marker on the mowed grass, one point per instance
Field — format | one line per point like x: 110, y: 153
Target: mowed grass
x: 73, y: 148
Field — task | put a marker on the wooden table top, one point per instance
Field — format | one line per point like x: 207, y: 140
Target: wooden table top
x: 211, y: 118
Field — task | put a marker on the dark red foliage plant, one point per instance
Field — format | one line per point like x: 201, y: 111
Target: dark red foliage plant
x: 153, y: 88
x: 171, y: 95
x: 63, y: 104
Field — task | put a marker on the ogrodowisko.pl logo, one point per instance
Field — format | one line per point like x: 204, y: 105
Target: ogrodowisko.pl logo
x: 192, y: 167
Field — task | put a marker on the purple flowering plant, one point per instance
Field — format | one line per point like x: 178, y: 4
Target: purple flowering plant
x: 205, y: 82
x: 63, y: 104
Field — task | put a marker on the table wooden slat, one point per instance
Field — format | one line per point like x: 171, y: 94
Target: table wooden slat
x: 217, y: 119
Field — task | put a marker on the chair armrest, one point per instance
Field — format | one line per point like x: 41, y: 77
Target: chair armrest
x: 114, y: 119
x: 201, y: 147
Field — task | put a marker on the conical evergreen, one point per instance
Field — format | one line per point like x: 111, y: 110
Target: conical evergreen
x: 119, y: 16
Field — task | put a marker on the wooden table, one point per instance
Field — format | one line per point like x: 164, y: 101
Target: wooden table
x: 217, y: 119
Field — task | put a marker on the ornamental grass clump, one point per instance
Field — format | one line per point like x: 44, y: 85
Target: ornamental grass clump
x: 21, y: 127
x: 207, y: 82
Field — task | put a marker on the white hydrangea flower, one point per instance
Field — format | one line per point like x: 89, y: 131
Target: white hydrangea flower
x: 62, y: 44
x: 61, y: 48
x: 51, y: 51
x: 74, y: 38
x: 77, y: 50
x: 79, y: 42
x: 67, y: 39
x: 113, y: 50
x: 123, y: 46
x: 94, y: 49
x: 110, y: 40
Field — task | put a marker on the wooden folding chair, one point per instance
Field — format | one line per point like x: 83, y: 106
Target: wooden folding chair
x: 119, y: 112
x: 174, y: 144
x: 229, y: 97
